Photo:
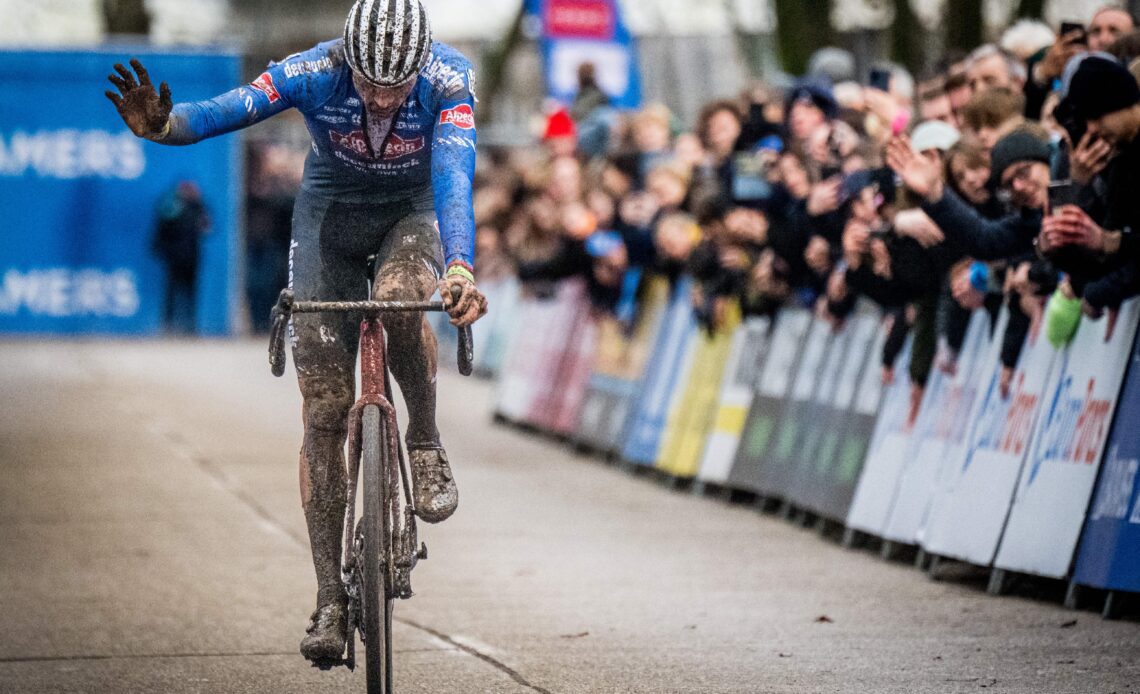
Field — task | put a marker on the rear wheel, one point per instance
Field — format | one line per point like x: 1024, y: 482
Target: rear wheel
x: 377, y: 569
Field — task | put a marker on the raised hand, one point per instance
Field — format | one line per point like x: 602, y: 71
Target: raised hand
x: 145, y: 111
x: 921, y: 175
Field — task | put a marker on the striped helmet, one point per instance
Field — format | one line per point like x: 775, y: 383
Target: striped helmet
x: 387, y: 42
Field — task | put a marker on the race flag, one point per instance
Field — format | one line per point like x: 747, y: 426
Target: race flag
x: 587, y: 31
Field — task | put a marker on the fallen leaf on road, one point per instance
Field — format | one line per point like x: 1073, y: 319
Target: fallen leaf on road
x: 1069, y: 625
x: 824, y: 619
x: 575, y: 636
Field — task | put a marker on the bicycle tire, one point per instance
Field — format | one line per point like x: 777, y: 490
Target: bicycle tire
x: 377, y: 602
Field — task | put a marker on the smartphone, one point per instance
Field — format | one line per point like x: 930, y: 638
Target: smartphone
x: 1069, y: 27
x: 750, y: 178
x: 1061, y: 193
x: 881, y: 80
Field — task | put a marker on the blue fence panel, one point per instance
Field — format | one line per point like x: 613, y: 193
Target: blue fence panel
x: 1109, y: 556
x: 78, y: 194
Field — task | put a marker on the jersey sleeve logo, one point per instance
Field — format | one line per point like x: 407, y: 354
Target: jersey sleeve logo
x: 264, y: 84
x: 461, y: 117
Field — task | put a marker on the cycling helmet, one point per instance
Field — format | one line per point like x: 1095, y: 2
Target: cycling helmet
x: 387, y: 42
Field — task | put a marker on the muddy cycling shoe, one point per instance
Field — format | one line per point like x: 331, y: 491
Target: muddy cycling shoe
x: 325, y: 639
x: 435, y: 491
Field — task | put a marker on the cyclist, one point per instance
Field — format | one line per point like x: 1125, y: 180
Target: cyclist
x: 390, y: 113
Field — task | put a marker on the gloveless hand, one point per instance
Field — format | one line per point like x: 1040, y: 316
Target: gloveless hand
x: 921, y: 175
x: 1071, y: 226
x: 470, y: 306
x: 145, y: 111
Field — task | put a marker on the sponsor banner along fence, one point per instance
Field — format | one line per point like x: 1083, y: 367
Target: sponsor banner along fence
x: 745, y: 361
x: 946, y: 404
x: 796, y: 410
x: 1066, y: 450
x: 1109, y: 555
x: 79, y: 195
x: 769, y: 399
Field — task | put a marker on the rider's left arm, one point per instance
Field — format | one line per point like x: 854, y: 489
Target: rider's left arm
x: 453, y: 173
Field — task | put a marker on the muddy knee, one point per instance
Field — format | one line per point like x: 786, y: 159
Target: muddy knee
x: 327, y: 402
x: 404, y: 280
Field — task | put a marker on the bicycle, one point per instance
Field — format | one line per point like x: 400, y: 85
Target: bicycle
x: 382, y: 549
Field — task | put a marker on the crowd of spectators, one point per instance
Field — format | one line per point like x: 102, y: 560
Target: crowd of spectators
x: 1007, y: 176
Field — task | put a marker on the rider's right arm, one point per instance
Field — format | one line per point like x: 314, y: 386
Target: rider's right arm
x: 303, y: 80
x: 236, y: 109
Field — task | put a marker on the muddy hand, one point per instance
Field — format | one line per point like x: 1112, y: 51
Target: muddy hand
x: 145, y: 111
x: 462, y: 300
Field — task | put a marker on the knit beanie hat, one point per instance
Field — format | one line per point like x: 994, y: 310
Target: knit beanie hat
x: 1018, y: 146
x: 1101, y: 86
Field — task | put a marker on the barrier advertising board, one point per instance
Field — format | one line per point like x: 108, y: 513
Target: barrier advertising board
x: 874, y: 492
x: 1068, y: 444
x: 668, y: 366
x: 79, y: 196
x: 946, y: 405
x: 746, y: 359
x: 794, y: 429
x: 769, y: 401
x: 969, y: 513
x: 826, y: 473
x: 695, y: 407
x: 1108, y: 557
x: 619, y: 365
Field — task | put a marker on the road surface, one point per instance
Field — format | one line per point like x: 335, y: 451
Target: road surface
x: 151, y: 540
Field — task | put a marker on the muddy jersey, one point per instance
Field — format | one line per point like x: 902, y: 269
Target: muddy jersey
x: 431, y: 141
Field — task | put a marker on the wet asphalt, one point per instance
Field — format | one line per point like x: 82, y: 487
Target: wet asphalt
x: 151, y: 540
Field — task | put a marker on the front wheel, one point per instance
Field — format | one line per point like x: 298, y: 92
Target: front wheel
x: 377, y: 601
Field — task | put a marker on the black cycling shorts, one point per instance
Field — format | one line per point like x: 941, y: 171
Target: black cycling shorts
x: 329, y: 261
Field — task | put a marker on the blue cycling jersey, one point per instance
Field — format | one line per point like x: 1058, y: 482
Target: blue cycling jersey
x: 431, y: 140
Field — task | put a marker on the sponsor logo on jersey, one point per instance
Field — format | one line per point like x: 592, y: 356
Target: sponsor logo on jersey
x: 352, y: 142
x: 307, y: 67
x: 395, y: 148
x: 461, y: 117
x: 264, y: 84
x: 398, y: 147
x: 443, y: 77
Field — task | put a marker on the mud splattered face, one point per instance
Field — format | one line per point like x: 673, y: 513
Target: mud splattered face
x: 382, y: 102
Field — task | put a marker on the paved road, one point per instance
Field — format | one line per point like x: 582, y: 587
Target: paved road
x: 151, y: 540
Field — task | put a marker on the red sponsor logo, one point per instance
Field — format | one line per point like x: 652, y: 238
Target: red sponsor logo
x: 461, y: 117
x: 590, y: 19
x: 353, y: 142
x: 398, y: 147
x: 264, y: 84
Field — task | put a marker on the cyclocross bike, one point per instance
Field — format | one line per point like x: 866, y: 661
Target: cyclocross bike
x: 382, y: 549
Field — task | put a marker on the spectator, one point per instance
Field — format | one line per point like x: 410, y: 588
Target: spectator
x: 180, y: 224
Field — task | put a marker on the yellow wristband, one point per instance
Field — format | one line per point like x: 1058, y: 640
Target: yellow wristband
x: 459, y: 271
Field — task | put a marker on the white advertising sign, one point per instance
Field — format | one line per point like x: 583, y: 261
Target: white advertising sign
x: 1068, y: 445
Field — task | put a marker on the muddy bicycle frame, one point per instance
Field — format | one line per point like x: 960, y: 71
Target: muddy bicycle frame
x: 403, y: 546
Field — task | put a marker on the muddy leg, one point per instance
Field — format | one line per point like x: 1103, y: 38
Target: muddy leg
x: 412, y: 347
x: 328, y: 399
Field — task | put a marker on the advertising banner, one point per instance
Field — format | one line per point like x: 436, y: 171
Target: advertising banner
x: 773, y: 388
x: 1109, y: 555
x: 695, y: 408
x: 874, y: 492
x: 493, y: 332
x: 746, y: 359
x: 619, y: 366
x: 1068, y: 445
x: 575, y: 32
x: 80, y: 193
x: 969, y: 511
x: 946, y: 407
x: 535, y: 352
x: 826, y: 472
x: 564, y: 325
x: 821, y: 349
x: 668, y: 367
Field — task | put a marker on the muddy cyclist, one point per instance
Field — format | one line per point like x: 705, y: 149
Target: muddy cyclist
x: 391, y: 116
